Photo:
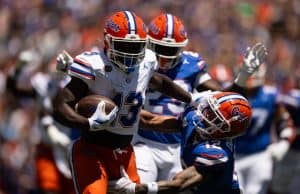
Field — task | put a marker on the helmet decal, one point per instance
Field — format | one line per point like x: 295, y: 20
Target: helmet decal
x: 112, y: 25
x: 169, y: 26
x: 131, y: 22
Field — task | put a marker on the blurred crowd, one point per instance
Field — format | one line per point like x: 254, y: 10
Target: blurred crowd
x: 33, y: 32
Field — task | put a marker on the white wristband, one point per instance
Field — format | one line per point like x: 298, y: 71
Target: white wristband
x: 152, y: 188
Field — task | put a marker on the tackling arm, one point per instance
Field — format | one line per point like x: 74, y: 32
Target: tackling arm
x: 162, y: 123
x: 184, y: 180
x: 166, y: 86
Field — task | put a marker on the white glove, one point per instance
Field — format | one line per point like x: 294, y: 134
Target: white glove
x: 278, y: 150
x: 123, y: 185
x: 253, y: 58
x: 100, y: 120
x: 57, y: 137
x: 63, y: 61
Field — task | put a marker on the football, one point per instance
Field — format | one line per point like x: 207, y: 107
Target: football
x: 88, y: 104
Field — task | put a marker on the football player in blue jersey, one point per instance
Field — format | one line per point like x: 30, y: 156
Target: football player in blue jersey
x: 256, y: 151
x: 207, y: 146
x: 167, y: 38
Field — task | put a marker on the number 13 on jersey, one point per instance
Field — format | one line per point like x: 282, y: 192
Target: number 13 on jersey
x: 131, y: 102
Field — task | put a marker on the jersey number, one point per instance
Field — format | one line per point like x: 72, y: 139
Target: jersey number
x: 259, y: 118
x: 133, y: 102
x: 168, y: 106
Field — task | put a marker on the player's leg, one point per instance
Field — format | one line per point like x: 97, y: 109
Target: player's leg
x: 89, y: 174
x: 47, y: 175
x: 242, y: 167
x: 147, y: 169
x: 92, y: 166
x: 167, y: 159
x: 259, y: 173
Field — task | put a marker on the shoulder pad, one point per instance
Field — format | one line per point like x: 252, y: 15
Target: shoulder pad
x: 84, y: 65
x: 210, y: 155
x: 196, y: 58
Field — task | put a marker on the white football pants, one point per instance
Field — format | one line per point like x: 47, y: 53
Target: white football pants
x: 156, y: 161
x: 254, y: 172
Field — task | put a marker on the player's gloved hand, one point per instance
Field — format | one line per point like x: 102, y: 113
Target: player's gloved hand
x: 278, y: 150
x: 253, y: 58
x: 63, y: 61
x: 100, y: 120
x: 123, y: 185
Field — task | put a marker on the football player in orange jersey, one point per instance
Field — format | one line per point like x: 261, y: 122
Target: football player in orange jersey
x: 122, y: 71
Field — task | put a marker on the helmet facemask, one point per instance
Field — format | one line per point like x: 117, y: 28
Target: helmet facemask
x: 126, y: 53
x: 167, y: 51
x: 213, y: 119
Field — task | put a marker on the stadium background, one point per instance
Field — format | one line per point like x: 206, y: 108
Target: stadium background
x: 218, y: 29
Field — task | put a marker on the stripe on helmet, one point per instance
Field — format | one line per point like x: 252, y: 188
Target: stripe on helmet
x: 231, y: 97
x: 131, y: 22
x: 170, y: 26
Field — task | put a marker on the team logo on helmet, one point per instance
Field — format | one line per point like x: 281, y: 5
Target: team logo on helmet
x: 182, y: 32
x: 153, y: 28
x: 112, y: 25
x: 235, y: 111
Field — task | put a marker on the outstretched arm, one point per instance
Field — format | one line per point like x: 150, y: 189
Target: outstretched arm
x: 162, y: 123
x: 254, y: 57
x: 166, y: 86
x: 184, y: 180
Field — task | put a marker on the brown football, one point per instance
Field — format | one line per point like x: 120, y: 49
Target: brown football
x: 88, y: 104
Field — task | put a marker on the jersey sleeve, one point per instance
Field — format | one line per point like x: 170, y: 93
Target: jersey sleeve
x: 210, y: 158
x: 201, y: 65
x: 82, y: 68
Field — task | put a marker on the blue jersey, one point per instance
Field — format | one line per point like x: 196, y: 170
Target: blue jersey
x: 292, y: 102
x: 258, y: 134
x: 185, y: 74
x: 214, y: 158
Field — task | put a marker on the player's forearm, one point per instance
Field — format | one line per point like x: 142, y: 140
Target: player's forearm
x: 167, y: 87
x: 161, y: 187
x: 234, y: 88
x: 182, y: 181
x: 65, y: 114
x: 160, y: 123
